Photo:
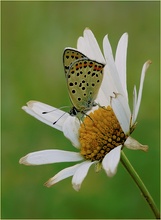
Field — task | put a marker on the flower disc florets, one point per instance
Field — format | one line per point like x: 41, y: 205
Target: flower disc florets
x: 100, y: 133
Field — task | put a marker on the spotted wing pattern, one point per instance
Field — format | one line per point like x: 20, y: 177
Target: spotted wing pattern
x: 84, y: 77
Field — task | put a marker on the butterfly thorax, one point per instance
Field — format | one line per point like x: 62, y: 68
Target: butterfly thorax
x: 74, y: 111
x: 79, y: 114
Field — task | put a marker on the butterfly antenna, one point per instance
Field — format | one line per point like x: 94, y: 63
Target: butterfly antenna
x: 55, y: 109
x: 59, y: 118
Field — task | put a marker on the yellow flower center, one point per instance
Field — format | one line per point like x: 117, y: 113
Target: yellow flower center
x: 100, y: 132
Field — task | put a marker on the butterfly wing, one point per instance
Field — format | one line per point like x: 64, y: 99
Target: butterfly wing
x: 69, y: 57
x: 84, y: 79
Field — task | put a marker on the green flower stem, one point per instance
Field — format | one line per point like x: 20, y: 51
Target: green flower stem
x: 140, y: 184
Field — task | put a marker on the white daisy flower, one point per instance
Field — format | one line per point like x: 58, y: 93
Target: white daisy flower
x: 98, y: 141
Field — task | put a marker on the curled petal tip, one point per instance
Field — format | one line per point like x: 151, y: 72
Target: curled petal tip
x: 135, y: 145
x: 76, y: 187
x: 47, y: 184
x: 20, y: 161
x: 149, y: 62
x: 144, y: 148
x: 87, y: 28
x: 23, y: 161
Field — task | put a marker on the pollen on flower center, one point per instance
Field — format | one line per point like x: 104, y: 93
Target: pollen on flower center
x: 100, y: 132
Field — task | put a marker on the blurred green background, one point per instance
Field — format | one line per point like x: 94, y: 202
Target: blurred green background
x: 34, y: 35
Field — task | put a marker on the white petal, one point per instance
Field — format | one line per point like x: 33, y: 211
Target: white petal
x: 120, y: 61
x: 63, y: 174
x: 50, y: 156
x: 37, y: 109
x: 108, y: 85
x: 111, y: 160
x: 81, y: 46
x: 80, y: 174
x: 133, y: 144
x: 71, y: 130
x: 144, y: 69
x: 102, y: 98
x: 111, y: 69
x: 122, y: 111
x: 89, y: 46
x: 134, y: 105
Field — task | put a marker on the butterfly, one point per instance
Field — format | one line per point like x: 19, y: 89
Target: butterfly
x: 83, y: 77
